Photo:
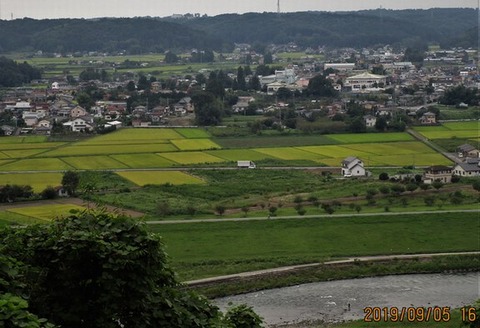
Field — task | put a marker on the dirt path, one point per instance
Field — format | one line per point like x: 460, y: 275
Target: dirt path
x: 212, y: 280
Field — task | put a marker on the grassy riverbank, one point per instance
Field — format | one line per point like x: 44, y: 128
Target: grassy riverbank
x: 337, y: 272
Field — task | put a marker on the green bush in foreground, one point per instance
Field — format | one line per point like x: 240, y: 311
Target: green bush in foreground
x: 94, y: 269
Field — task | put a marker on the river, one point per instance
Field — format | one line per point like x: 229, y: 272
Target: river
x: 330, y: 301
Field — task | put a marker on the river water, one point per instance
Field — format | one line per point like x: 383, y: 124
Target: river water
x: 330, y: 301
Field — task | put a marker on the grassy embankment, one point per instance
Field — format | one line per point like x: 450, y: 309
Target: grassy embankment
x: 209, y: 249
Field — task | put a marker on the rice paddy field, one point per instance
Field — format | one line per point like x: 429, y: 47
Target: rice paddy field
x: 143, y: 178
x: 40, y: 213
x: 151, y: 148
x: 38, y: 181
x: 464, y: 130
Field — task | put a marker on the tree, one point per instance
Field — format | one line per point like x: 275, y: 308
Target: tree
x: 242, y: 85
x: 170, y: 57
x: 429, y: 201
x: 437, y: 184
x: 411, y: 187
x: 208, y: 109
x: 319, y: 86
x: 245, y: 210
x: 49, y: 193
x: 243, y: 316
x: 268, y: 58
x: 357, y: 125
x: 272, y: 210
x: 220, y: 209
x: 381, y: 124
x: 70, y: 181
x: 95, y: 269
x: 383, y: 176
x: 476, y: 185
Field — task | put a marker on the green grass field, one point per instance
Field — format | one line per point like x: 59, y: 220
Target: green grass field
x: 46, y: 212
x: 143, y: 178
x: 208, y: 249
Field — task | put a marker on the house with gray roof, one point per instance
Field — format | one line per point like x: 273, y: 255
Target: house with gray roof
x: 469, y: 168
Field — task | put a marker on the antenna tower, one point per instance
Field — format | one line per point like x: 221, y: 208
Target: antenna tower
x: 278, y: 6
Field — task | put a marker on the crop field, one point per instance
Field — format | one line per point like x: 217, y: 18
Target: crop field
x: 23, y: 139
x: 194, y: 144
x: 239, y: 154
x: 208, y: 249
x: 193, y: 133
x: 143, y: 160
x: 467, y: 129
x: 141, y: 135
x: 39, y: 145
x: 38, y: 181
x: 290, y: 153
x: 371, y: 137
x: 334, y: 151
x: 75, y: 150
x: 143, y: 178
x: 277, y: 141
x: 20, y: 153
x: 192, y: 157
x: 93, y: 162
x: 46, y: 212
x: 36, y: 164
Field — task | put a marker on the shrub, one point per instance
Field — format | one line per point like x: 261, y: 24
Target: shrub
x: 49, y: 193
x: 383, y: 176
x: 243, y: 316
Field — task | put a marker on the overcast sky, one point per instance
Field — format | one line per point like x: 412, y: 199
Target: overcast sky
x: 128, y: 8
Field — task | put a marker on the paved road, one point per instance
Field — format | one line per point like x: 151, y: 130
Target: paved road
x: 186, y: 221
x: 210, y: 280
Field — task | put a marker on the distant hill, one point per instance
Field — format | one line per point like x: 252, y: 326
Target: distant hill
x: 135, y: 35
x: 449, y: 27
x: 346, y: 29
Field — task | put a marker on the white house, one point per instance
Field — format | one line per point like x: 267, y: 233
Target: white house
x: 370, y: 121
x: 353, y: 167
x: 469, y: 168
x: 78, y: 125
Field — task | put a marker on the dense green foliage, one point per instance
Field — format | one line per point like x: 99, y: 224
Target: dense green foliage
x: 13, y: 74
x: 135, y: 35
x: 342, y: 29
x: 460, y: 94
x: 96, y: 270
x: 140, y: 35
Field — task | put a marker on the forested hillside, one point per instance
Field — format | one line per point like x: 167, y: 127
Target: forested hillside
x: 448, y: 27
x: 350, y: 29
x: 134, y: 35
